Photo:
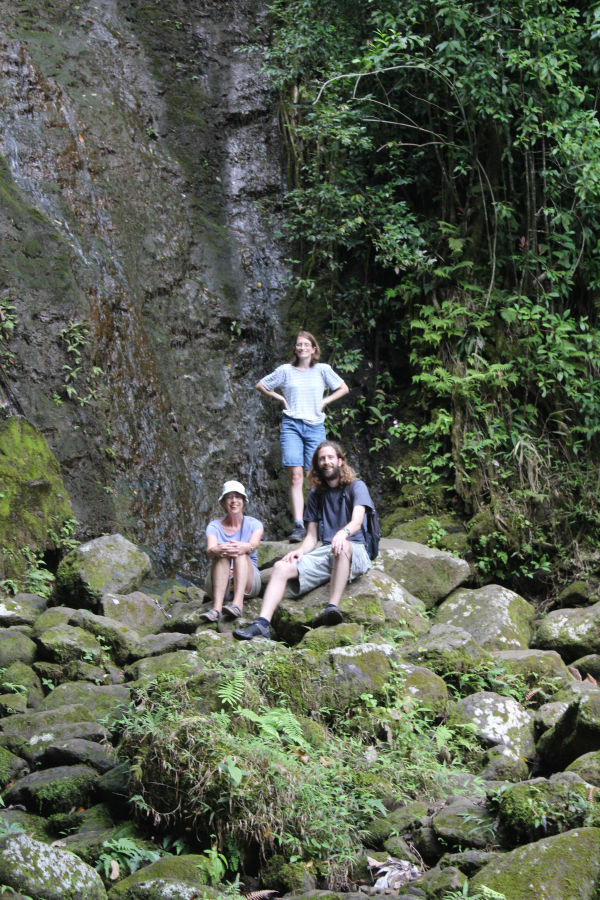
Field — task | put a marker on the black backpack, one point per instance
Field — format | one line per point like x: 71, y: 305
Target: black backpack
x: 371, y: 528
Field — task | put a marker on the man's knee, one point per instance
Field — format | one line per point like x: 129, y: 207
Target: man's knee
x: 284, y: 569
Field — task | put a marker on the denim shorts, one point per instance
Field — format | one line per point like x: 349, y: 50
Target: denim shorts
x: 315, y: 568
x: 299, y: 441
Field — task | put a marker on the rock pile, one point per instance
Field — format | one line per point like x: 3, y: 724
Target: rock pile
x: 69, y: 666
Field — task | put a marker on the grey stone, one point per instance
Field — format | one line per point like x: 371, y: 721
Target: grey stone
x: 108, y: 564
x: 497, y: 720
x: 424, y: 572
x: 141, y: 612
x: 58, y: 789
x: 36, y: 869
x: 22, y: 609
x: 497, y: 618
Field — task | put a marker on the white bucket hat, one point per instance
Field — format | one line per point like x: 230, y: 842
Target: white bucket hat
x: 236, y: 486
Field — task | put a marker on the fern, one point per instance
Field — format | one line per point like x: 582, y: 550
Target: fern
x: 231, y: 691
x: 278, y: 723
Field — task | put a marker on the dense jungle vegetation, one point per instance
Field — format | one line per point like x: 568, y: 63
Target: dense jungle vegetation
x: 444, y: 165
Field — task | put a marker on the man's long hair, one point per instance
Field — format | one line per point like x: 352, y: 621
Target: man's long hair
x: 347, y: 473
x: 316, y: 356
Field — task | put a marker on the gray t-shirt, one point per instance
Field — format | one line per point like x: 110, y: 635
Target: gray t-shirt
x: 303, y: 389
x: 334, y: 511
x: 244, y: 533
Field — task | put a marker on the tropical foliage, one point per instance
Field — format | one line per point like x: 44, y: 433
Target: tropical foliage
x: 444, y: 167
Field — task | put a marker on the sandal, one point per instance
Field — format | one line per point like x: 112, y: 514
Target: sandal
x: 232, y: 611
x: 211, y: 615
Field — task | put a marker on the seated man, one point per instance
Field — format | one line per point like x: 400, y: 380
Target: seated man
x: 334, y: 513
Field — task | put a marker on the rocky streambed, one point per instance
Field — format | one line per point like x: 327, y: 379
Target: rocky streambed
x: 125, y: 773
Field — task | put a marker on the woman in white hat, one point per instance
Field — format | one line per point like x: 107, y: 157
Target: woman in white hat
x: 231, y: 544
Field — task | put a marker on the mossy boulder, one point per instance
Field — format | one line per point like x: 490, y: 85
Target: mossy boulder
x: 285, y: 877
x: 587, y: 767
x: 159, y: 644
x: 540, y: 807
x: 576, y: 732
x: 64, y: 643
x: 120, y: 638
x: 101, y: 757
x: 425, y: 687
x: 11, y: 767
x: 28, y: 734
x: 571, y: 632
x: 502, y: 763
x: 349, y: 672
x: 496, y: 720
x: 34, y: 503
x: 498, y: 619
x: 108, y: 564
x: 104, y: 702
x: 54, y: 790
x: 23, y: 678
x: 270, y: 551
x: 374, y: 599
x: 465, y: 823
x: 424, y: 572
x: 55, y: 615
x: 141, y: 612
x: 183, y: 876
x: 22, y: 609
x: 323, y: 638
x: 401, y: 820
x: 542, y: 670
x: 565, y: 865
x: 179, y: 663
x: 38, y: 870
x: 588, y: 665
x: 447, y: 649
x: 15, y: 647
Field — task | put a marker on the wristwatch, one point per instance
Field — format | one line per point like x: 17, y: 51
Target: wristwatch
x: 347, y: 530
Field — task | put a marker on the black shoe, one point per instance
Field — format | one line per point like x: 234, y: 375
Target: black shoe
x: 298, y: 534
x: 331, y: 615
x: 253, y: 630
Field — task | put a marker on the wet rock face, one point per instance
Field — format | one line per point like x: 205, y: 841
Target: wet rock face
x: 138, y: 149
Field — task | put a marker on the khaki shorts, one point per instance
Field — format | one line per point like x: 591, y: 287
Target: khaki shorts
x: 254, y: 592
x: 315, y: 568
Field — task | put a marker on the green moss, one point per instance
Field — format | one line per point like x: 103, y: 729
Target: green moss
x: 33, y: 498
x: 63, y: 794
x: 285, y: 876
x: 528, y: 811
x: 9, y: 766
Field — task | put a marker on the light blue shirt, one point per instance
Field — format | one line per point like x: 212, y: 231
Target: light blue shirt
x: 244, y: 533
x: 303, y: 389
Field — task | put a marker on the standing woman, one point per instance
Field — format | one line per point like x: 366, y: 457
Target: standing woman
x: 231, y: 544
x: 302, y: 383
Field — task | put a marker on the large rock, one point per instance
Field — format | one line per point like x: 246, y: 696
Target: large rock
x: 373, y: 599
x: 108, y: 564
x: 179, y: 663
x: 537, y: 808
x: 571, y: 632
x: 576, y: 732
x: 426, y: 573
x: 38, y: 870
x: 497, y: 720
x: 65, y: 643
x: 172, y: 878
x: 465, y: 823
x: 542, y: 670
x: 121, y: 640
x: 141, y: 612
x: 29, y: 734
x: 54, y: 790
x: 497, y: 618
x: 428, y: 690
x: 22, y: 609
x: 21, y: 677
x: 15, y: 647
x: 105, y: 702
x: 555, y: 868
x: 448, y: 649
x: 587, y: 767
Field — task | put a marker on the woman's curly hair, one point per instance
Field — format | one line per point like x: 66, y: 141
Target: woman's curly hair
x: 347, y: 473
